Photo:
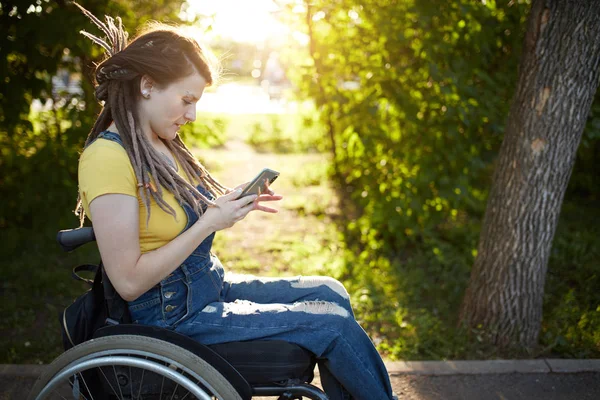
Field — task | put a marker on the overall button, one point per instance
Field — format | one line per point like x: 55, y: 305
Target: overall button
x: 168, y: 295
x: 170, y: 308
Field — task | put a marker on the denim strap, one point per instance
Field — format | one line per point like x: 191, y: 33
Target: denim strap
x: 108, y: 135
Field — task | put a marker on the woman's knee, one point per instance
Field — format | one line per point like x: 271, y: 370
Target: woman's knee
x: 323, y: 281
x: 328, y: 318
x: 323, y: 310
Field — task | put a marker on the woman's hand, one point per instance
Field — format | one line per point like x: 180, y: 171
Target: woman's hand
x: 229, y: 209
x: 266, y: 195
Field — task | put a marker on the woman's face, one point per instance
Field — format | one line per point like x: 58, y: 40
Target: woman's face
x: 164, y: 110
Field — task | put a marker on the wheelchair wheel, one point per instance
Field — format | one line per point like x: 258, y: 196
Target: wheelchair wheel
x: 131, y: 367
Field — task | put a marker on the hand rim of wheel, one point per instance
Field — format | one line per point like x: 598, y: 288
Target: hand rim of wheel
x: 127, y: 362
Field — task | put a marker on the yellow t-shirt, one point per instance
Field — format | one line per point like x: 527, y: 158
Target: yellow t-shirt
x: 104, y: 167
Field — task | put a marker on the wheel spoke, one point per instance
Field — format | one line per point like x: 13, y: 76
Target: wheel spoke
x: 162, y: 385
x: 130, y: 382
x: 139, y: 395
x: 117, y: 382
x: 186, y: 395
x: 108, y: 381
x: 86, y: 386
x: 54, y: 391
x: 174, y: 391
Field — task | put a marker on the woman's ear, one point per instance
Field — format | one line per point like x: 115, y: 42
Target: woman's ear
x: 146, y: 85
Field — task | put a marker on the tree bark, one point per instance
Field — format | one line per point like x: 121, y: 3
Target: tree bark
x: 558, y: 76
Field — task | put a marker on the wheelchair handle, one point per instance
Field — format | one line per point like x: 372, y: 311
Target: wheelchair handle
x: 70, y: 239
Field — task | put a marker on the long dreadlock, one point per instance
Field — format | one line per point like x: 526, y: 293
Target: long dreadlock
x: 164, y: 54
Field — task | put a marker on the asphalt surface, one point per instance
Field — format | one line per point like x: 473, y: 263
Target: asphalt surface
x: 549, y: 386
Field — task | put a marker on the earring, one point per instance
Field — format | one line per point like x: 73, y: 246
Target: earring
x: 146, y: 94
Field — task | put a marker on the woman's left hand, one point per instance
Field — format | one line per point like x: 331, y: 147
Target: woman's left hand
x: 266, y: 195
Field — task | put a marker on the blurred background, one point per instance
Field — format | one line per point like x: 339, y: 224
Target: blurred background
x: 384, y: 118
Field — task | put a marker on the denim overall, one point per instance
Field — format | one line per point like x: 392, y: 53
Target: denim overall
x: 199, y: 300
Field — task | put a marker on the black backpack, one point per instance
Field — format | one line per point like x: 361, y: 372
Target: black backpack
x: 100, y: 306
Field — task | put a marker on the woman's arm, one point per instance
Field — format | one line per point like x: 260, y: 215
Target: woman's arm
x: 116, y: 225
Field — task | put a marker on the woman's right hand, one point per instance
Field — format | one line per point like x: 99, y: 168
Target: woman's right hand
x: 228, y: 210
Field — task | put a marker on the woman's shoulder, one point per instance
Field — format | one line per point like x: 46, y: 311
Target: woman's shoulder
x: 104, y: 168
x: 105, y: 157
x: 103, y: 150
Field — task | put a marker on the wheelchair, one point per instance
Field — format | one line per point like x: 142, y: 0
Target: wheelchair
x: 132, y: 361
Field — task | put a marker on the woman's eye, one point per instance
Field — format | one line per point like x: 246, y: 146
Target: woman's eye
x: 187, y: 102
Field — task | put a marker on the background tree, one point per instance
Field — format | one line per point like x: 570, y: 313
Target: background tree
x: 559, y: 73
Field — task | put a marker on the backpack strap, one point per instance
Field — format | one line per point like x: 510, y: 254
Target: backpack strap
x: 116, y: 308
x: 81, y: 268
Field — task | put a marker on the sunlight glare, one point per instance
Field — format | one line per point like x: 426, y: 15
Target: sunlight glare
x: 240, y: 20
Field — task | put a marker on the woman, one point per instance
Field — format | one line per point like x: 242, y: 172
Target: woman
x: 155, y: 211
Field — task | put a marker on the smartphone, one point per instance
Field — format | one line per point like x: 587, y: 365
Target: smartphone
x: 258, y: 183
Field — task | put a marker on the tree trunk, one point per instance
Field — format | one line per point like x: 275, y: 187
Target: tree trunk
x: 558, y: 76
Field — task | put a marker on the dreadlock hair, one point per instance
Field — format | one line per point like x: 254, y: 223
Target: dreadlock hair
x: 165, y: 54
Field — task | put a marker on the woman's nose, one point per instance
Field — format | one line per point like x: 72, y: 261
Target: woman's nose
x: 190, y: 116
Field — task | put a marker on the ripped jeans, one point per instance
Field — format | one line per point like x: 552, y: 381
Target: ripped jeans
x: 199, y: 300
x: 313, y: 312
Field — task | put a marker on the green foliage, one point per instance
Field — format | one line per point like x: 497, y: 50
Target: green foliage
x: 571, y: 324
x: 312, y: 174
x: 411, y: 108
x: 287, y: 134
x: 262, y: 140
x: 208, y: 132
x: 415, y: 95
x: 585, y: 179
x: 40, y: 174
x: 409, y: 303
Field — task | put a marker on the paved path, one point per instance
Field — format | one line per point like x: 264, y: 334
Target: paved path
x: 517, y: 386
x: 459, y: 380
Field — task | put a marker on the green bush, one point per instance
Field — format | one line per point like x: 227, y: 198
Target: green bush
x: 205, y: 133
x: 571, y: 324
x: 287, y: 134
x: 270, y: 139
